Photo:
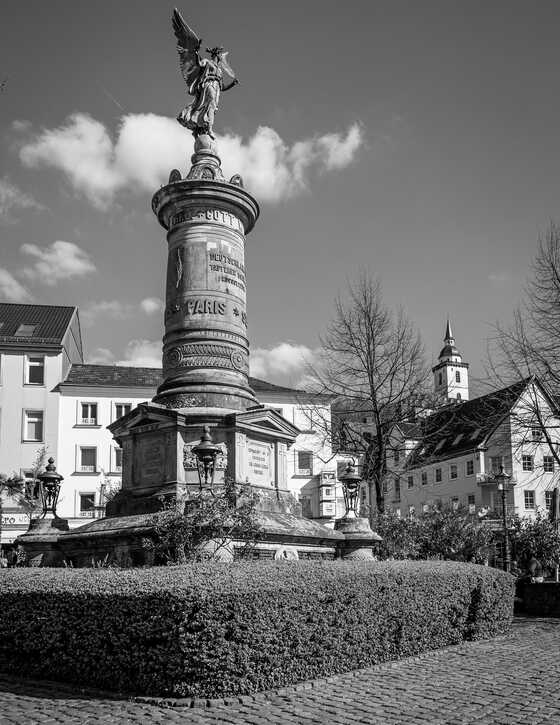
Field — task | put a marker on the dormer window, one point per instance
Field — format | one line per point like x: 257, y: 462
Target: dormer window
x: 25, y: 330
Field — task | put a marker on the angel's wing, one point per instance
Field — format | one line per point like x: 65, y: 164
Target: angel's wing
x: 188, y: 44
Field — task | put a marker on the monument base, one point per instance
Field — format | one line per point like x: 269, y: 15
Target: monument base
x: 122, y: 541
x: 40, y: 541
x: 159, y: 462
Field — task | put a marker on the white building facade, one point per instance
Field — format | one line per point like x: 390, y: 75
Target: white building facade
x: 450, y: 457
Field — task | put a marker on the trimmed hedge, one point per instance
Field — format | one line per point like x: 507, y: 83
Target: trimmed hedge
x: 213, y: 630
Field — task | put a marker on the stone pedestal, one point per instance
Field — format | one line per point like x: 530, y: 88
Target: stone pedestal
x: 40, y: 541
x: 359, y: 538
x: 158, y: 458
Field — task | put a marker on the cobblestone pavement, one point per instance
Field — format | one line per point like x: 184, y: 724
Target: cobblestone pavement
x: 511, y: 679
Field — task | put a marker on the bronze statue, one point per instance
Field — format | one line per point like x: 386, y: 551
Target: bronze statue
x: 204, y: 78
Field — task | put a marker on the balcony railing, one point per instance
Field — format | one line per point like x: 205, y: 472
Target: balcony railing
x: 87, y: 514
x: 87, y: 469
x: 89, y: 421
x: 483, y: 479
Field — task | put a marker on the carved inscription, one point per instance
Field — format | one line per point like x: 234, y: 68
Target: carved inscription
x: 197, y: 306
x: 202, y: 214
x: 146, y: 427
x: 258, y: 459
x: 228, y: 269
x: 152, y: 460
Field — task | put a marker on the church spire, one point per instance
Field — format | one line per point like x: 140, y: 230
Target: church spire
x: 451, y: 374
x: 448, y: 334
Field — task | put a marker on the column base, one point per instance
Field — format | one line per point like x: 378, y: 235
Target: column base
x: 359, y: 538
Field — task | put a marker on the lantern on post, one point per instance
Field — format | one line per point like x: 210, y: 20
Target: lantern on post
x: 206, y: 453
x: 50, y: 484
x: 504, y: 484
x: 358, y: 535
x: 350, y: 481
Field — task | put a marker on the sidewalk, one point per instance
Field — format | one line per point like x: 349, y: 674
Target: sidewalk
x: 511, y: 679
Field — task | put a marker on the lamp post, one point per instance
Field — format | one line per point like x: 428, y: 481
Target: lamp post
x: 350, y: 481
x: 206, y: 453
x: 40, y: 541
x: 50, y: 482
x: 358, y: 535
x: 503, y: 484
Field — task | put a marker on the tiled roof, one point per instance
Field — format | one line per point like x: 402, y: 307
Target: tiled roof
x: 114, y: 376
x: 132, y: 377
x: 459, y: 428
x: 411, y: 430
x: 263, y: 386
x: 50, y: 322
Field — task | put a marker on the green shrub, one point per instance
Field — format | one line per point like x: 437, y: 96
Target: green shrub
x: 448, y: 534
x: 535, y: 537
x: 212, y: 630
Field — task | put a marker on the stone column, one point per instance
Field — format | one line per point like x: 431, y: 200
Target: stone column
x: 205, y: 346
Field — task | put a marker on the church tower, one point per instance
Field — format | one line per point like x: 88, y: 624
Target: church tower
x: 451, y: 374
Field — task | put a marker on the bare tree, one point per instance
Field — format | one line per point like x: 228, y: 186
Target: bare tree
x: 529, y: 348
x: 372, y: 362
x: 531, y: 344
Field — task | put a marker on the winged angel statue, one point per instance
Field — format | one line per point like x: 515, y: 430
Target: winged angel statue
x: 205, y: 78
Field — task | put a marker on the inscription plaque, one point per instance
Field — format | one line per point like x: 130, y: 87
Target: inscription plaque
x: 259, y: 463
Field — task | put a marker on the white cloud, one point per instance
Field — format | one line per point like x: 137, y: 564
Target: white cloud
x: 101, y: 356
x: 142, y: 353
x: 105, y: 308
x: 280, y: 363
x: 340, y: 151
x: 273, y: 170
x: 60, y: 260
x: 148, y: 146
x: 152, y: 305
x: 83, y: 151
x: 13, y: 199
x: 21, y: 125
x: 11, y: 289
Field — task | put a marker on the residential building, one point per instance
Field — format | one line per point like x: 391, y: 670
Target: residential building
x: 38, y: 345
x: 450, y: 457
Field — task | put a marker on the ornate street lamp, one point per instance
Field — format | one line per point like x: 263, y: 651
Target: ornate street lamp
x: 504, y: 484
x: 350, y: 481
x: 358, y: 535
x: 50, y: 484
x: 206, y: 453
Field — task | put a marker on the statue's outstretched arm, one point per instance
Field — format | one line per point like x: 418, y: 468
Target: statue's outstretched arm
x: 230, y: 85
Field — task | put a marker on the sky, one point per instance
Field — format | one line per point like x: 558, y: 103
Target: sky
x: 416, y: 140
